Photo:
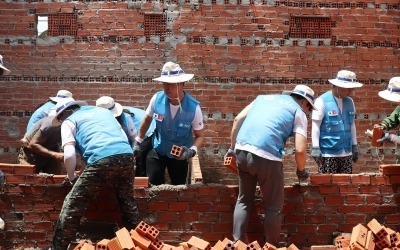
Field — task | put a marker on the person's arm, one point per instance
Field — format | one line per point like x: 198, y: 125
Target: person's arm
x: 146, y: 121
x: 392, y: 120
x: 144, y: 126
x: 237, y: 123
x: 36, y: 145
x: 300, y: 151
x: 70, y: 160
x: 68, y: 131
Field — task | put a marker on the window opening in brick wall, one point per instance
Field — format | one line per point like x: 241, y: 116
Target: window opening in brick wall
x: 310, y: 27
x: 42, y: 26
x: 60, y: 24
x: 155, y: 25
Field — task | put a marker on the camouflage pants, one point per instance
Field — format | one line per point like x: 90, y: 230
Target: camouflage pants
x: 117, y: 171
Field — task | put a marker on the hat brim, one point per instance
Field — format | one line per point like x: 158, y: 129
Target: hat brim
x: 390, y: 96
x: 174, y: 79
x: 5, y: 70
x: 57, y: 99
x: 55, y: 121
x: 117, y: 110
x: 287, y: 92
x: 346, y: 85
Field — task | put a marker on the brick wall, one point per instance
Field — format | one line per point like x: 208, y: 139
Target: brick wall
x: 237, y: 49
x: 313, y: 214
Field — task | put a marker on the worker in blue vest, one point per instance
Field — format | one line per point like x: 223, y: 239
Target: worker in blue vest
x: 258, y: 137
x: 97, y: 136
x: 333, y: 131
x: 179, y: 122
x: 130, y: 118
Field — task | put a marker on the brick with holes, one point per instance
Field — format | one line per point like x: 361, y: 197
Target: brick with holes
x: 176, y: 150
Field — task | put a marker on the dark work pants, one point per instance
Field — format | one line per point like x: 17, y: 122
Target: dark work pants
x: 115, y: 170
x: 145, y: 148
x: 155, y: 169
x: 268, y: 175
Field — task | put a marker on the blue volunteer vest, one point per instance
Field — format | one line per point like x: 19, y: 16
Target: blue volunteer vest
x: 98, y: 134
x: 138, y: 117
x: 39, y: 113
x: 335, y: 129
x: 269, y: 123
x: 177, y: 131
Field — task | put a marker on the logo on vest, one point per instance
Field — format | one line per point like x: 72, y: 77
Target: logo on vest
x: 332, y: 113
x: 158, y: 117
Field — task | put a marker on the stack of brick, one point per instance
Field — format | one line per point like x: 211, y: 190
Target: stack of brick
x: 146, y: 237
x: 373, y: 236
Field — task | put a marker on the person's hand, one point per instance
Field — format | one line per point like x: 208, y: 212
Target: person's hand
x: 369, y: 133
x: 354, y: 150
x: 317, y: 155
x: 69, y: 182
x: 24, y: 142
x: 58, y: 156
x: 136, y: 149
x: 380, y: 125
x: 186, y: 153
x: 385, y: 137
x: 303, y: 175
x: 230, y: 153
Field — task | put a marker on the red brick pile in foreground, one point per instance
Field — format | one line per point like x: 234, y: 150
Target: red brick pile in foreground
x: 374, y: 236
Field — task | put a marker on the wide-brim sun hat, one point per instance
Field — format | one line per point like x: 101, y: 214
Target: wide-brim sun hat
x: 392, y: 93
x: 304, y: 91
x: 5, y: 70
x: 109, y: 103
x: 346, y: 79
x: 63, y: 105
x: 173, y: 73
x: 61, y: 94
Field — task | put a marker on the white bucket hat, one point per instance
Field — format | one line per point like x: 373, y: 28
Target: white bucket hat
x: 304, y: 91
x: 172, y: 73
x: 392, y: 93
x: 346, y: 79
x: 109, y: 103
x: 63, y: 105
x: 61, y: 94
x: 5, y: 70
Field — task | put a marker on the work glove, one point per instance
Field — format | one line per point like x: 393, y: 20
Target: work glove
x: 385, y: 137
x: 186, y: 153
x: 136, y: 149
x: 303, y: 175
x: 317, y: 155
x: 354, y: 150
x: 230, y: 153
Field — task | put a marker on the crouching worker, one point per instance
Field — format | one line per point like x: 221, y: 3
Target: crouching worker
x: 96, y: 134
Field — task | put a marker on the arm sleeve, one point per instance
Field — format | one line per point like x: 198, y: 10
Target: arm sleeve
x: 197, y: 123
x: 317, y: 116
x: 392, y: 120
x: 70, y: 160
x: 300, y: 123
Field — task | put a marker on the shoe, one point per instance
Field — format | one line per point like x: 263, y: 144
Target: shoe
x: 48, y: 248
